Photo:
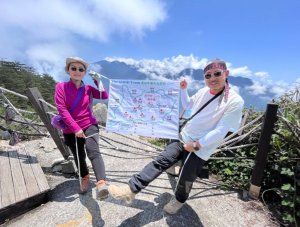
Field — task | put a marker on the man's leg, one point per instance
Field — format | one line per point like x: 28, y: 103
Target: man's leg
x: 189, y: 172
x: 171, y: 154
x: 152, y: 170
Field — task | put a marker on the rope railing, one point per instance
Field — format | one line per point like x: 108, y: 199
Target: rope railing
x: 14, y: 93
x: 48, y: 104
x: 139, y: 141
x: 51, y: 113
x: 22, y: 133
x: 12, y: 106
x: 23, y: 122
x: 240, y: 138
x: 240, y: 129
x: 237, y: 147
x: 22, y: 111
x: 289, y: 123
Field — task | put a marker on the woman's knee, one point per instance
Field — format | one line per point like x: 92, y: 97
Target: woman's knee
x: 93, y: 153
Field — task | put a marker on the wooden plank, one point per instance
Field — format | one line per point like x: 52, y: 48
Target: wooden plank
x: 38, y: 172
x: 31, y: 184
x: 27, y: 180
x: 22, y: 207
x: 17, y: 176
x: 6, y: 187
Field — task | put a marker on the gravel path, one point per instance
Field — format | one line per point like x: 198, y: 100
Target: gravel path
x: 207, y: 206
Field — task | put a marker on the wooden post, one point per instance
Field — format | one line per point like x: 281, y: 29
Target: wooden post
x: 41, y: 108
x: 263, y: 149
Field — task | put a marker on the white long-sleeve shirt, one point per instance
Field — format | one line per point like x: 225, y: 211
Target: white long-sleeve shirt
x: 211, y: 125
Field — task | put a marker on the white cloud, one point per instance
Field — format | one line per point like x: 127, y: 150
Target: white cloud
x: 262, y: 75
x: 257, y: 88
x: 31, y: 29
x: 235, y: 88
x: 49, y: 57
x: 240, y: 71
x: 263, y: 86
x: 167, y: 66
x: 279, y: 87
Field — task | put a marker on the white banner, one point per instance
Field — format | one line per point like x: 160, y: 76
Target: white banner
x: 144, y: 107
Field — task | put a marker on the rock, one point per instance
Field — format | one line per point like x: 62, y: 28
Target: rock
x: 100, y: 112
x: 56, y: 168
x: 68, y: 167
x: 5, y: 135
x: 57, y: 161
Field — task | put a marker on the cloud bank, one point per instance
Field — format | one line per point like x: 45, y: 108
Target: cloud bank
x: 41, y: 33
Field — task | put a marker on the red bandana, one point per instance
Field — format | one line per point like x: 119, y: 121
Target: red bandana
x: 216, y: 64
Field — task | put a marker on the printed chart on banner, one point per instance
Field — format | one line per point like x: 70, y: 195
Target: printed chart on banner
x: 143, y: 107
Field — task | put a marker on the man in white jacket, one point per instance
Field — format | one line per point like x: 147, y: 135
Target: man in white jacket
x: 199, y: 137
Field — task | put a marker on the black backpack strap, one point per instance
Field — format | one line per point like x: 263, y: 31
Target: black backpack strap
x: 202, y: 107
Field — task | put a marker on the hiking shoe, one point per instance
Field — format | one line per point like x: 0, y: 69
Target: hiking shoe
x: 101, y: 190
x: 84, y: 186
x: 173, y: 206
x: 121, y: 192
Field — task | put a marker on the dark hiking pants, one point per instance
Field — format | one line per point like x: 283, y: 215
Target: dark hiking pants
x: 92, y: 150
x: 192, y: 166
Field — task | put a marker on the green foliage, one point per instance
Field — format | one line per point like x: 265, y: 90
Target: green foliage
x: 158, y: 142
x: 282, y: 161
x: 17, y: 77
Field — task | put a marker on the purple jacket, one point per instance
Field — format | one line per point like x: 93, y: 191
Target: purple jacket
x: 82, y: 116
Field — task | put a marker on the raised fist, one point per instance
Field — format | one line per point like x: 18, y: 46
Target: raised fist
x: 183, y: 84
x: 95, y: 75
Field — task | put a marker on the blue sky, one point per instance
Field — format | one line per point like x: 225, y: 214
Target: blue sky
x: 259, y: 39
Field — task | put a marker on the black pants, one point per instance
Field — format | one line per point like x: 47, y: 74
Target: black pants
x: 192, y: 166
x: 92, y: 149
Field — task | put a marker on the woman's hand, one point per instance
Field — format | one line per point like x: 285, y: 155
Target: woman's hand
x: 94, y: 75
x: 97, y: 79
x: 183, y: 84
x: 80, y: 134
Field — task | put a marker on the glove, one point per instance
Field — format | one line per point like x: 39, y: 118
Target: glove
x: 96, y: 77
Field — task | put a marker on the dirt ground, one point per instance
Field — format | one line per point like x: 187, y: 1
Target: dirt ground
x: 124, y: 156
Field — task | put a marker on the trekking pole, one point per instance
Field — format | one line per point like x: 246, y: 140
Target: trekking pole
x: 78, y: 163
x: 181, y: 170
x: 91, y: 135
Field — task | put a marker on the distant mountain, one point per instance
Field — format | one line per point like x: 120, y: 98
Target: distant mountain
x: 121, y: 70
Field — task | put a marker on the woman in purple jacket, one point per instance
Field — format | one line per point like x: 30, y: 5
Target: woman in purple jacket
x: 81, y: 123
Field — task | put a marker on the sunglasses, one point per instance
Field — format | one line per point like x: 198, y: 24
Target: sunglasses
x: 74, y: 69
x: 215, y: 74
